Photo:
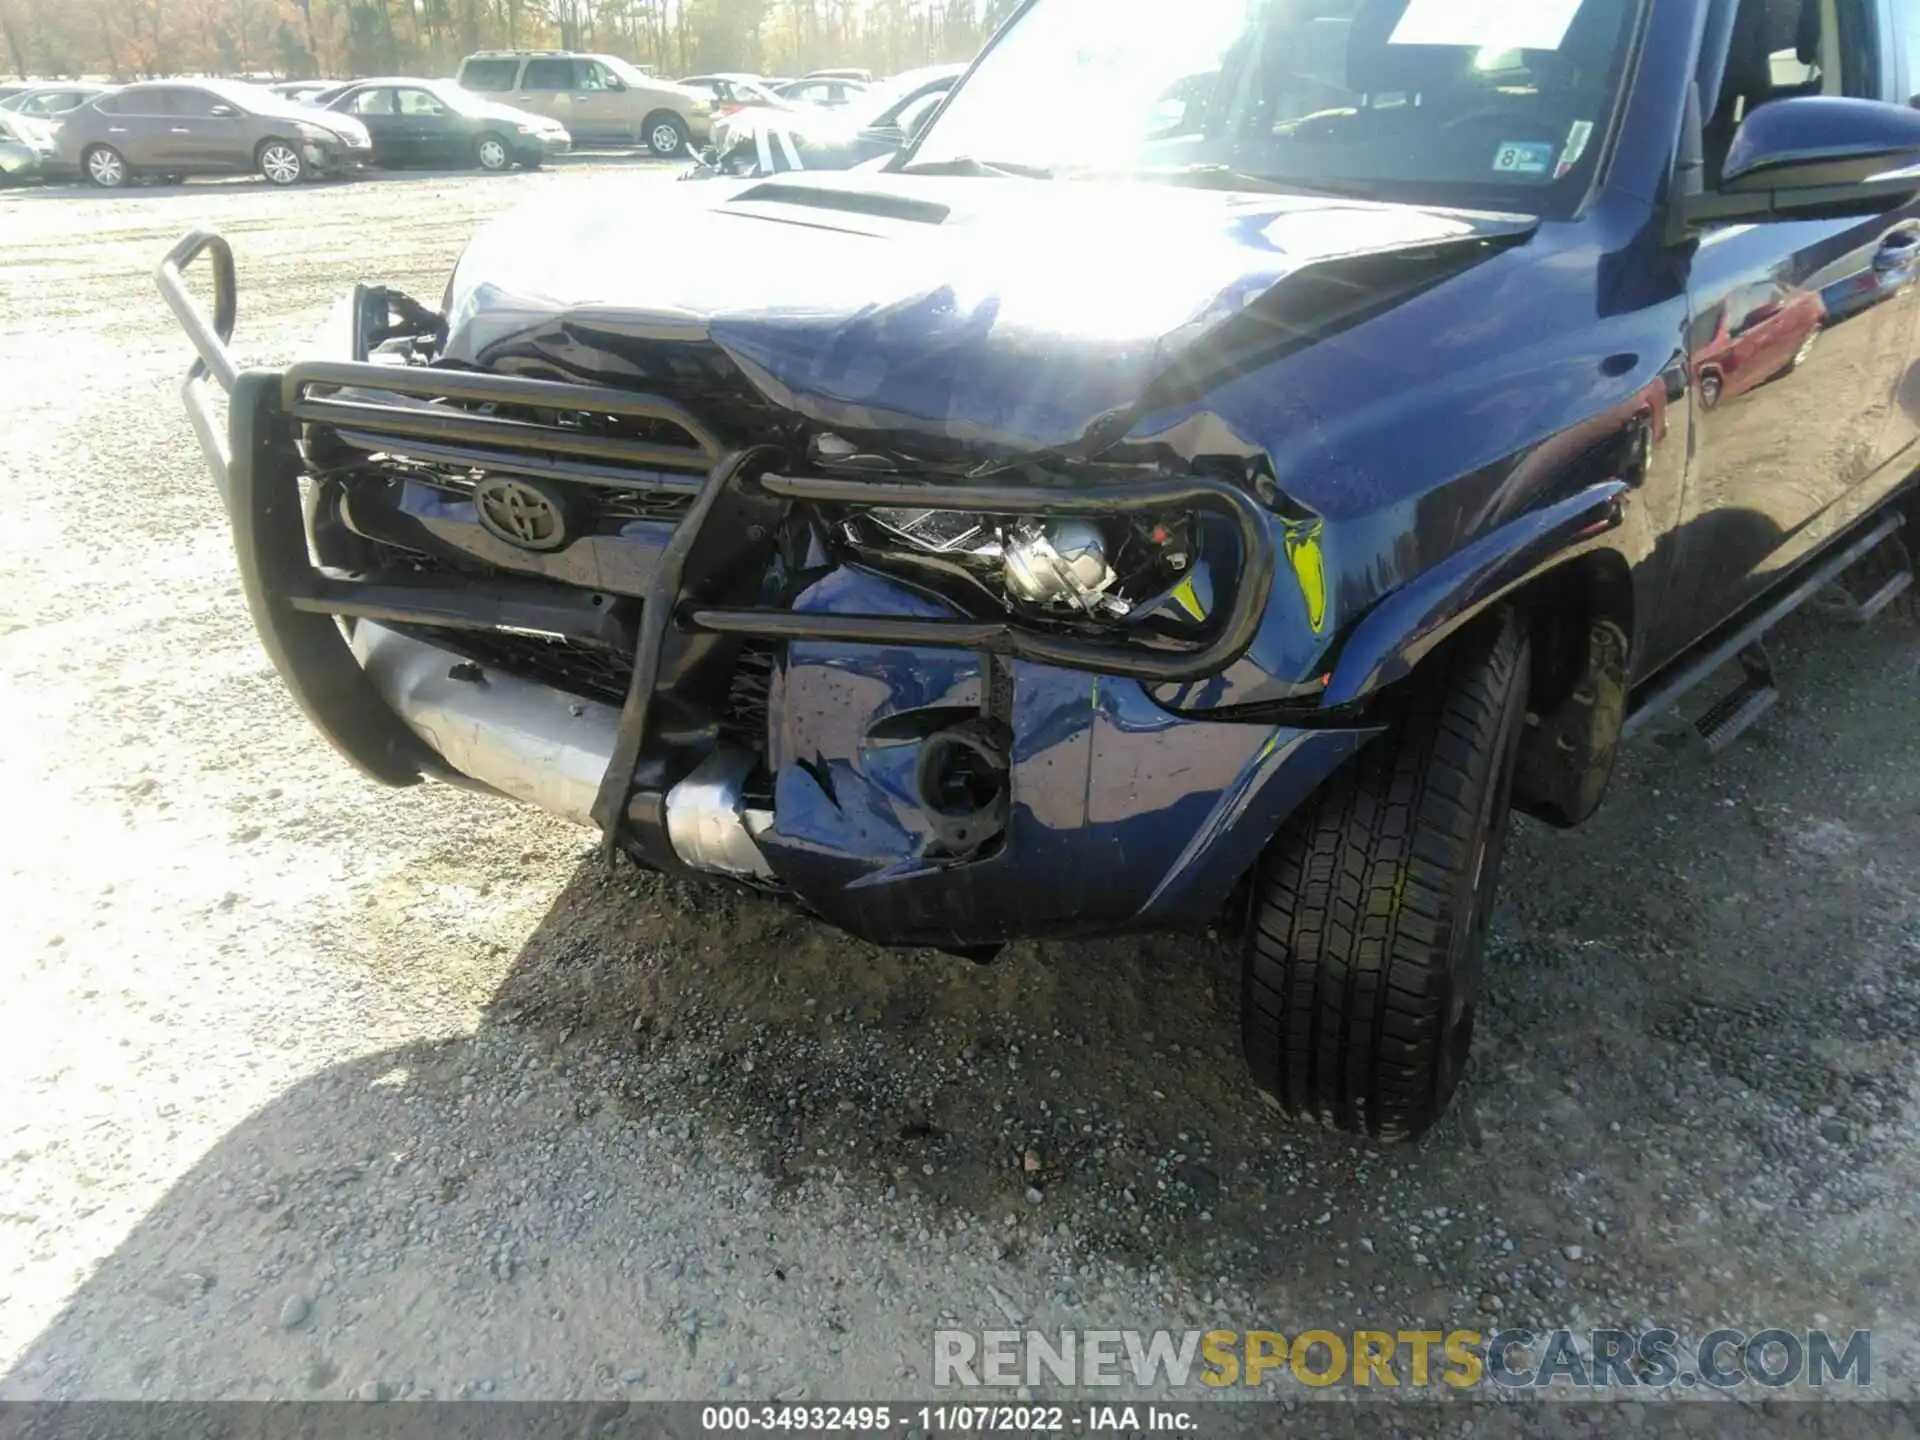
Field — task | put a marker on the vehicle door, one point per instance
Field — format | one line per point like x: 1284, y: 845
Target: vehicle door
x: 435, y: 134
x: 546, y: 88
x: 606, y: 104
x: 138, y: 126
x: 1896, y: 273
x: 1795, y: 375
x: 207, y: 131
x: 374, y: 108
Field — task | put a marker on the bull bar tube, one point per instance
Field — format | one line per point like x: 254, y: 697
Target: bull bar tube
x: 296, y: 605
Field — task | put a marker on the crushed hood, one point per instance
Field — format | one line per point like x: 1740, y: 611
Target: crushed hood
x: 1010, y: 314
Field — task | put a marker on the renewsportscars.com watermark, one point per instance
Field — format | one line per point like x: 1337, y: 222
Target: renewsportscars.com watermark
x: 1406, y: 1359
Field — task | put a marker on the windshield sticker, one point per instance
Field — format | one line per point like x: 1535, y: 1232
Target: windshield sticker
x: 1489, y: 24
x: 1576, y: 146
x: 1521, y: 157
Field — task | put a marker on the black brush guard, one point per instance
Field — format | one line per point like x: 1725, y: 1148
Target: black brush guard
x: 296, y: 604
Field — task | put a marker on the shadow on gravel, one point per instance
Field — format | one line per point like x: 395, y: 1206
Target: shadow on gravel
x: 1692, y: 1064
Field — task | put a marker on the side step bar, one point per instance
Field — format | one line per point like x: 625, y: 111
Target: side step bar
x: 1735, y: 712
x: 1878, y: 579
x: 1740, y: 638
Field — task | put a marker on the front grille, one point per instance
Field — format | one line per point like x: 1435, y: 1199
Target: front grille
x: 749, y: 696
x: 583, y: 670
x: 594, y: 506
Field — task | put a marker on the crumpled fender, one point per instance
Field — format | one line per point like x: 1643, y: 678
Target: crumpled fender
x: 1418, y: 617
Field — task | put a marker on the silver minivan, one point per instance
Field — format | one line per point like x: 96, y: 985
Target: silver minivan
x: 601, y: 99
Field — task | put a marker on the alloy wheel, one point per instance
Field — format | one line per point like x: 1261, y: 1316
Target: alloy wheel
x: 493, y: 153
x: 106, y: 169
x: 280, y: 163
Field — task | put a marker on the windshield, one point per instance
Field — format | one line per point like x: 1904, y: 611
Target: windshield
x: 621, y: 68
x: 1444, y: 101
x: 867, y: 107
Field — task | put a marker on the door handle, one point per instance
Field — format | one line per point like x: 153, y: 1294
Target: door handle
x: 1897, y: 251
x: 182, y: 130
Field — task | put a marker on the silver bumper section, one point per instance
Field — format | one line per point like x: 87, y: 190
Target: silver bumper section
x: 551, y: 749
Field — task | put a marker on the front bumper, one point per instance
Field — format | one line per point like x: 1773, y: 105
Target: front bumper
x: 1116, y: 814
x: 543, y: 146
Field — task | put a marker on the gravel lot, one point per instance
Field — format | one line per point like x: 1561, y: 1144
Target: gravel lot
x: 310, y: 1089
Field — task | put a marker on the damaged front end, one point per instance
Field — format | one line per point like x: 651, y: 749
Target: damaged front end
x: 922, y: 694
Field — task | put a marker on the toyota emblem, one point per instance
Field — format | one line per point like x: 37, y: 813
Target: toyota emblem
x: 521, y: 513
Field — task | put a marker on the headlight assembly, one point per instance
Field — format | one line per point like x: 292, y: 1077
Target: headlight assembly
x: 1113, y: 571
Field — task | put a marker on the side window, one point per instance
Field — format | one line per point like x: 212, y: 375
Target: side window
x: 489, y: 77
x: 548, y: 75
x: 589, y: 75
x: 111, y: 105
x: 195, y: 103
x: 419, y: 102
x: 376, y: 101
x: 143, y: 102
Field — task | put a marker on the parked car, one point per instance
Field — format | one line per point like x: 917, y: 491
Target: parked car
x: 1065, y: 530
x: 204, y: 127
x: 435, y: 122
x: 734, y: 92
x: 600, y: 99
x: 1754, y: 335
x: 828, y: 94
x: 26, y: 149
x: 864, y: 77
x: 762, y: 141
x: 46, y: 102
x: 303, y: 91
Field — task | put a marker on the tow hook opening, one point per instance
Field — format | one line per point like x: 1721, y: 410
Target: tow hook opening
x: 963, y: 779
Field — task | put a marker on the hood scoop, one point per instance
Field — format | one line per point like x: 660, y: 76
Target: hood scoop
x: 879, y: 203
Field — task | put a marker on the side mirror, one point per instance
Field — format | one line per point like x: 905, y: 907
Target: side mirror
x: 614, y: 82
x: 223, y: 112
x: 1815, y: 155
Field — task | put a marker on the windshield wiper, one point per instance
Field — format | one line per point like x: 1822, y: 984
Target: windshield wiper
x: 968, y: 165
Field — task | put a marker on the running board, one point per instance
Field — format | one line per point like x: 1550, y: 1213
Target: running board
x: 1874, y: 582
x: 1745, y: 631
x: 1735, y: 712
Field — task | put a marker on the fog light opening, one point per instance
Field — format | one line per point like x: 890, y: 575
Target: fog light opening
x: 963, y: 781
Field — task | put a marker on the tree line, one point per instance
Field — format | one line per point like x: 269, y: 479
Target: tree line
x: 135, y: 39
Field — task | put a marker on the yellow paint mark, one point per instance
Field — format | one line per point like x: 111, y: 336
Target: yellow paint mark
x: 1309, y: 569
x: 1188, y: 599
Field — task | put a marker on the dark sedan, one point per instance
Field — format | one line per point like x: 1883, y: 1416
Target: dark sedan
x: 435, y: 122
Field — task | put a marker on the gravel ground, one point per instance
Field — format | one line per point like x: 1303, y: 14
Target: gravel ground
x: 313, y: 1090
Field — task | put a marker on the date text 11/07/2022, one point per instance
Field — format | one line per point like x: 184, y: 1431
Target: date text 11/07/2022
x: 1045, y: 534
x: 950, y: 1419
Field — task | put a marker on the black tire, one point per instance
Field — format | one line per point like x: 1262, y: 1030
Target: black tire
x: 1370, y: 908
x: 106, y: 167
x: 664, y: 134
x: 492, y: 152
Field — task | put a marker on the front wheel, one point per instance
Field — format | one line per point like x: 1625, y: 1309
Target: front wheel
x: 281, y: 162
x: 106, y: 167
x: 490, y: 152
x: 1371, y: 906
x: 666, y: 136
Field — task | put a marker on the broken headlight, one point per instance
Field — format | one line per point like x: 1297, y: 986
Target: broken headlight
x: 1116, y: 571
